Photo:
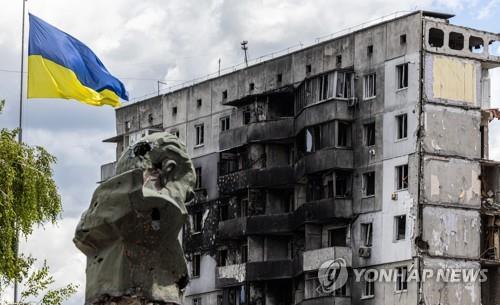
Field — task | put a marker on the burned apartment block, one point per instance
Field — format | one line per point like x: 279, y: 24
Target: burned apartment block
x: 371, y: 147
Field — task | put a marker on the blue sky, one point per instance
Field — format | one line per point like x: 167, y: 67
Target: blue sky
x: 145, y: 41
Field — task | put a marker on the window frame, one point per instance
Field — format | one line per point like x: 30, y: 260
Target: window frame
x: 369, y: 286
x: 397, y: 226
x: 401, y: 177
x: 225, y: 123
x: 402, y: 126
x: 365, y: 184
x: 196, y: 265
x: 402, y: 74
x: 197, y: 223
x: 366, y: 231
x: 369, y: 82
x: 199, y: 180
x: 366, y: 134
x: 401, y: 283
x: 199, y: 135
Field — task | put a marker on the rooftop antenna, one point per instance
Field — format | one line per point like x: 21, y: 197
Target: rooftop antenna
x: 245, y: 48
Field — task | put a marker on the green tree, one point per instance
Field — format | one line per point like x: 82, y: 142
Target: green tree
x: 28, y: 198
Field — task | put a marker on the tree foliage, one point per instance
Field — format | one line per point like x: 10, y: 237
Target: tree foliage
x: 28, y: 198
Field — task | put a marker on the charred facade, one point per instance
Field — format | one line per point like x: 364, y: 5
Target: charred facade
x: 371, y: 147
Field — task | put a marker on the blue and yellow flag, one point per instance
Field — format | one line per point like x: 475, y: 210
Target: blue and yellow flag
x: 60, y: 66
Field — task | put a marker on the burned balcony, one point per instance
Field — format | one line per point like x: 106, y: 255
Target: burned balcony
x: 283, y: 93
x: 264, y: 131
x: 233, y: 275
x: 274, y: 224
x: 323, y: 211
x: 275, y: 177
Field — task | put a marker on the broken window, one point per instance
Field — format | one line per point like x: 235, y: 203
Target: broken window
x: 342, y: 184
x: 220, y: 300
x: 314, y: 188
x: 337, y: 237
x: 328, y: 186
x: 308, y: 69
x: 222, y: 257
x: 244, y: 207
x: 456, y: 41
x: 323, y: 87
x: 369, y: 184
x: 369, y: 289
x: 224, y: 123
x: 343, y: 134
x: 369, y: 134
x: 279, y: 78
x: 369, y: 50
x: 344, y: 85
x: 402, y: 76
x: 127, y: 125
x: 401, y: 278
x: 251, y: 87
x: 197, y: 301
x: 400, y: 227
x: 198, y: 184
x: 224, y: 95
x: 369, y: 86
x: 198, y: 102
x: 197, y: 222
x: 196, y: 266
x: 339, y: 60
x: 436, y: 38
x: 244, y: 253
x: 247, y: 117
x: 476, y: 44
x: 223, y: 212
x: 494, y: 48
x: 402, y: 39
x: 402, y: 177
x: 174, y: 110
x: 402, y: 126
x: 199, y: 134
x: 366, y: 234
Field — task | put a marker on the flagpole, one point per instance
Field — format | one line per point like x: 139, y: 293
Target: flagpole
x: 20, y: 128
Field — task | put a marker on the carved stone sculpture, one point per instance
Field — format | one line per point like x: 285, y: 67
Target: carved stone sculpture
x: 130, y: 232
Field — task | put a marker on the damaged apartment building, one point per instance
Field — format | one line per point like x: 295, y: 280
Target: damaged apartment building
x: 371, y: 147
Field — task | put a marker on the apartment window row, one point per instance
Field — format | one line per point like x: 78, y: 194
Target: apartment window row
x: 329, y: 185
x: 401, y: 180
x: 321, y: 136
x: 401, y: 283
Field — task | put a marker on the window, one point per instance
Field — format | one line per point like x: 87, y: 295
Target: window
x: 366, y: 234
x: 174, y: 110
x: 175, y: 132
x: 198, y: 102
x: 247, y: 117
x: 369, y: 134
x: 199, y: 134
x: 476, y: 44
x: 324, y: 90
x: 197, y: 301
x: 337, y: 237
x: 251, y: 86
x: 342, y: 184
x: 402, y: 39
x: 339, y: 60
x: 279, y: 78
x: 224, y: 95
x: 219, y: 299
x: 223, y: 212
x: 150, y: 118
x: 369, y: 50
x: 308, y: 69
x: 400, y: 227
x: 197, y: 222
x: 222, y: 257
x: 343, y: 134
x: 402, y: 177
x: 402, y: 125
x: 224, y: 123
x: 127, y: 125
x: 196, y: 266
x: 369, y: 184
x: 402, y: 76
x: 369, y: 289
x: 456, y: 41
x: 436, y: 38
x: 199, y: 184
x: 401, y: 278
x: 369, y: 86
x: 244, y: 253
x: 344, y: 85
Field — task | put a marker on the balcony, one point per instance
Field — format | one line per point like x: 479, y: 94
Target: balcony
x: 274, y: 130
x: 313, y: 259
x: 324, y: 159
x: 274, y: 177
x: 233, y: 275
x: 108, y: 170
x: 274, y: 224
x: 327, y: 300
x: 324, y: 210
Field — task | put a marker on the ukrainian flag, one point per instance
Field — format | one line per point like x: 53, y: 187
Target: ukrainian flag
x: 60, y: 66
